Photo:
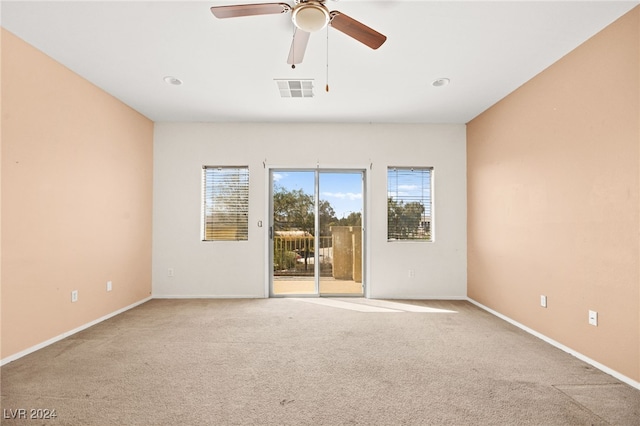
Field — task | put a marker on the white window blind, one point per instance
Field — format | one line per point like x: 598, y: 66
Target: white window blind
x: 225, y: 206
x: 409, y: 203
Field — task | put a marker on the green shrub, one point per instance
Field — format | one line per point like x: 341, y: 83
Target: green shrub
x: 284, y: 260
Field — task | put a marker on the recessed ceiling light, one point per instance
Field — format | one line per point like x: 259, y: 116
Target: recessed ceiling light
x: 440, y: 82
x: 172, y: 80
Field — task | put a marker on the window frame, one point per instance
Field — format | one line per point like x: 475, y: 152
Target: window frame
x: 424, y: 229
x: 235, y: 227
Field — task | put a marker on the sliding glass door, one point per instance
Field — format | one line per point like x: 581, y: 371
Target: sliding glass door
x: 292, y: 232
x: 316, y: 232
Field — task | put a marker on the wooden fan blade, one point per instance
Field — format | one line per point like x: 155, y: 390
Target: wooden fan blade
x: 237, y: 10
x: 357, y: 30
x: 298, y: 46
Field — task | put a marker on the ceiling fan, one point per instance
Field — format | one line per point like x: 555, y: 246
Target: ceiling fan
x: 308, y: 16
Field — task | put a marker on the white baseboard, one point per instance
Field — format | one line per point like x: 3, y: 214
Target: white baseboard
x: 559, y: 345
x: 69, y: 333
x: 207, y: 296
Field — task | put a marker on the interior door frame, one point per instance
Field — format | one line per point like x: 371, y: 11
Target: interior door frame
x: 269, y: 171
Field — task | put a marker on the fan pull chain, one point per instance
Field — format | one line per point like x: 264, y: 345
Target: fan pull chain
x: 326, y: 87
x: 293, y: 46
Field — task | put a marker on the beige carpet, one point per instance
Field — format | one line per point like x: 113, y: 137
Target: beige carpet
x: 311, y: 362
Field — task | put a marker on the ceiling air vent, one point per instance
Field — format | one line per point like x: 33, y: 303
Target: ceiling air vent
x: 295, y: 88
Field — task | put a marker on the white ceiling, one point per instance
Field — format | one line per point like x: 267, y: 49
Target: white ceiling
x: 486, y: 49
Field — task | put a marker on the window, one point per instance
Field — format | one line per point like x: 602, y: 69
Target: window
x: 225, y: 203
x: 409, y: 203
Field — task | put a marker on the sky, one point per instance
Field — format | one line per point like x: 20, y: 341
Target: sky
x: 342, y: 190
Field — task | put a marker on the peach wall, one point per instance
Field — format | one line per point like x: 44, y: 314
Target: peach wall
x: 1, y: 33
x: 76, y: 199
x: 553, y: 200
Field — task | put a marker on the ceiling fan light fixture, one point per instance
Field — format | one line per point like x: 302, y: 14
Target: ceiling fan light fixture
x: 310, y: 16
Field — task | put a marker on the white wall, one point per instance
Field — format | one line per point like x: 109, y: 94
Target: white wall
x: 238, y: 269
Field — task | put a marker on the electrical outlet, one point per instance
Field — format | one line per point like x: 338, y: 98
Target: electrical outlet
x: 170, y: 272
x: 74, y: 296
x: 593, y: 318
x: 412, y: 273
x: 109, y: 286
x: 543, y: 301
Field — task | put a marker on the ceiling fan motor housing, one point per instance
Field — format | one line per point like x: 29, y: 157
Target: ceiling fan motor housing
x: 310, y: 16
